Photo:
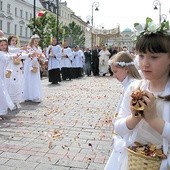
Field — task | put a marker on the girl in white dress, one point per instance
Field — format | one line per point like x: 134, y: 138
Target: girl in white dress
x: 32, y: 88
x: 14, y: 83
x: 124, y: 70
x: 152, y: 127
x: 5, y: 100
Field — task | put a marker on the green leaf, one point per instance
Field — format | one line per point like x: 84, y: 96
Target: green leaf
x: 136, y: 24
x: 148, y: 20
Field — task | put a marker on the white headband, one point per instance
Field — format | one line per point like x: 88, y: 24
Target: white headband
x: 35, y: 36
x: 123, y: 64
x: 3, y: 39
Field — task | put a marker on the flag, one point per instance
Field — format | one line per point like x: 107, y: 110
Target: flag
x: 40, y: 13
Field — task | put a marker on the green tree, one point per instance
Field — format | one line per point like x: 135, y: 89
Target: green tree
x: 45, y: 27
x: 74, y: 34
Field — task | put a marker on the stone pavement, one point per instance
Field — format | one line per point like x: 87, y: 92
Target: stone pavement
x: 70, y: 130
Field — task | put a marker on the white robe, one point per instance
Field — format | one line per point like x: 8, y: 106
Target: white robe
x: 103, y: 62
x: 67, y: 61
x: 54, y: 60
x: 78, y: 59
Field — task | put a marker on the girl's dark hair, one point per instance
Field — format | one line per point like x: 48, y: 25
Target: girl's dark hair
x: 155, y: 43
x: 10, y: 38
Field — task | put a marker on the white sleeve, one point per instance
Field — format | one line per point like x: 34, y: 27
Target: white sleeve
x: 47, y: 52
x: 166, y: 131
x: 124, y: 111
x: 70, y: 54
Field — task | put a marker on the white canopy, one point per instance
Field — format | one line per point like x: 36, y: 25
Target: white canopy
x: 106, y: 32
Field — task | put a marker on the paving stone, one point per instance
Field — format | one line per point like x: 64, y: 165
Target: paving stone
x: 70, y: 129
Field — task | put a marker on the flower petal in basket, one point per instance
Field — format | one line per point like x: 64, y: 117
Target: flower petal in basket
x: 137, y: 107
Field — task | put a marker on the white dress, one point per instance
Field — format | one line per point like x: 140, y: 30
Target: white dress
x: 32, y: 88
x: 5, y: 100
x: 142, y: 133
x: 14, y: 83
x: 111, y: 163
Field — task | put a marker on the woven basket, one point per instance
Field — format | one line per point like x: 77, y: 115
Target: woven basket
x: 34, y: 69
x: 17, y: 61
x: 139, y: 161
x: 8, y: 74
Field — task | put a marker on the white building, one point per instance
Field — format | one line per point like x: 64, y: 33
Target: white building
x: 15, y: 15
x: 123, y: 40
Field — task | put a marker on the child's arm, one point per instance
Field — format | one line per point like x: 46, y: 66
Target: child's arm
x: 126, y: 121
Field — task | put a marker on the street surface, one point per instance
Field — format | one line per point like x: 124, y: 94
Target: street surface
x: 70, y: 130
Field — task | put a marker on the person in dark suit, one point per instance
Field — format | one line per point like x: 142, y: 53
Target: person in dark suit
x: 88, y: 60
x: 112, y: 51
x: 95, y: 61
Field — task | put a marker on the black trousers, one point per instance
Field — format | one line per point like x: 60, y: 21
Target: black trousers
x: 95, y: 67
x: 54, y: 75
x: 66, y: 73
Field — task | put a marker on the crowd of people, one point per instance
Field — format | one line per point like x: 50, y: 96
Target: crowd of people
x: 144, y: 72
x: 20, y: 72
x: 22, y: 67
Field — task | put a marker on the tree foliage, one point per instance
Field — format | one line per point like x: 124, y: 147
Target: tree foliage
x: 74, y: 34
x: 46, y: 27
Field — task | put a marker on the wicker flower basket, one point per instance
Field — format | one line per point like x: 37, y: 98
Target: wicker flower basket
x: 139, y: 161
x: 8, y: 74
x: 17, y: 61
x: 34, y: 69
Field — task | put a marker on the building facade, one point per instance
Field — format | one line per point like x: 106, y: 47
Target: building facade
x: 124, y: 39
x: 15, y: 15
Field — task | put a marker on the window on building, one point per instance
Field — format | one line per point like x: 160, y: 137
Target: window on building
x: 8, y: 8
x: 30, y: 16
x: 68, y: 16
x: 1, y: 4
x: 8, y: 27
x: 26, y: 15
x: 1, y: 24
x: 26, y: 32
x: 21, y: 30
x: 16, y: 12
x: 15, y: 29
x: 21, y: 13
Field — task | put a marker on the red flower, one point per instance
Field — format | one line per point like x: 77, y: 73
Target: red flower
x: 40, y: 13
